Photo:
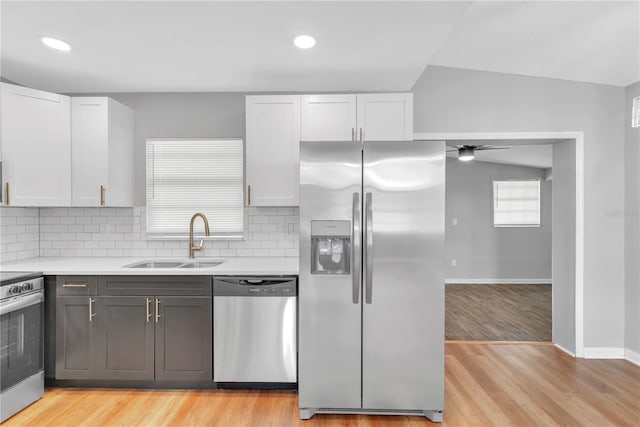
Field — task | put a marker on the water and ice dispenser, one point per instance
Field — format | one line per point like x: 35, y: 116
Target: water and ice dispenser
x: 330, y: 247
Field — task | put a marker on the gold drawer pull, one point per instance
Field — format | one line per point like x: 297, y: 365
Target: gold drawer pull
x: 75, y: 285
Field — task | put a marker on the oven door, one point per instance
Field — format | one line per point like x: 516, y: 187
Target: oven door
x: 21, y: 339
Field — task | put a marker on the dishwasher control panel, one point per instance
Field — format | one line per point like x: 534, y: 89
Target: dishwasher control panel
x: 255, y: 286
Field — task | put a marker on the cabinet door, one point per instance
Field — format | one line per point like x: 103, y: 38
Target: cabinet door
x: 273, y: 136
x: 89, y: 150
x: 74, y: 338
x: 124, y: 338
x: 385, y: 116
x: 184, y: 339
x: 328, y: 117
x: 36, y: 147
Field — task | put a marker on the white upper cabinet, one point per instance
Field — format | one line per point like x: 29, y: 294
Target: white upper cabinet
x: 385, y: 116
x: 328, y: 117
x: 36, y: 147
x: 102, y: 152
x: 370, y: 117
x: 272, y: 150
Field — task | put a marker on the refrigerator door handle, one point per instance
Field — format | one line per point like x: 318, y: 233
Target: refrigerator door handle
x: 355, y: 248
x: 368, y: 248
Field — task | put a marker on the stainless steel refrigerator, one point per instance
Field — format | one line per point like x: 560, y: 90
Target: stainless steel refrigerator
x: 371, y: 288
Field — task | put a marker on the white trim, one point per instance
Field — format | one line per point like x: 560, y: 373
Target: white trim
x: 604, y: 353
x: 632, y: 356
x: 569, y: 352
x: 579, y: 140
x: 579, y: 297
x: 499, y: 281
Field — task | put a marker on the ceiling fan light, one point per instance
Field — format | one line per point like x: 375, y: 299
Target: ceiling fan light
x: 466, y: 154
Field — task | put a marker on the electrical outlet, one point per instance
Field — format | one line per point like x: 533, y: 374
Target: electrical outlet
x: 453, y: 263
x: 454, y: 221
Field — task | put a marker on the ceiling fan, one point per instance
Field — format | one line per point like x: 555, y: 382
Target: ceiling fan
x: 467, y: 152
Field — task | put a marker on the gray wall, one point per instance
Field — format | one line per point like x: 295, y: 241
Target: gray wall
x: 174, y: 115
x: 632, y: 225
x: 456, y: 100
x: 564, y: 237
x: 481, y: 250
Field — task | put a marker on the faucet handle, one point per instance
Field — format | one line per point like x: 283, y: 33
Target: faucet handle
x: 198, y: 248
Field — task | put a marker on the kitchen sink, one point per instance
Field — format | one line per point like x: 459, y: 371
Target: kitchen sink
x: 154, y: 264
x: 175, y: 264
x: 203, y: 264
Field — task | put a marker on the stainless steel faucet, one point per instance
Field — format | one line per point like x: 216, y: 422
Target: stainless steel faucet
x: 193, y: 248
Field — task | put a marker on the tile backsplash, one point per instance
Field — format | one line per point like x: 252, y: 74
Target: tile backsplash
x: 19, y: 233
x: 121, y: 232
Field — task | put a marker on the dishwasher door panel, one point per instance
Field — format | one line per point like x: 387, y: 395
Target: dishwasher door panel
x: 254, y: 339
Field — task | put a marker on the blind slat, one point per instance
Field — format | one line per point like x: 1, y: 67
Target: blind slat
x: 189, y: 176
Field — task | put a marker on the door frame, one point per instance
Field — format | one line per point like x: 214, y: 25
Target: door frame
x: 578, y: 137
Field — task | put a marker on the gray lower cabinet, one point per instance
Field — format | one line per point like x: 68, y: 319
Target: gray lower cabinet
x: 74, y: 336
x: 183, y: 339
x: 124, y: 347
x: 133, y: 337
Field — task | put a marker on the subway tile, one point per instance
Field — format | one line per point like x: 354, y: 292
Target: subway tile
x: 68, y: 220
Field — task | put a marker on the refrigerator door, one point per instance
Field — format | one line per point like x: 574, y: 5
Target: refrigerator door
x: 329, y: 370
x: 403, y: 311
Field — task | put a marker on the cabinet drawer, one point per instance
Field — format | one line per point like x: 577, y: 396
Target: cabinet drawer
x: 76, y: 285
x: 155, y: 285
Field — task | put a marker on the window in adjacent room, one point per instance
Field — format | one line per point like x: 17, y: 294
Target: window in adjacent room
x: 185, y: 176
x: 516, y: 203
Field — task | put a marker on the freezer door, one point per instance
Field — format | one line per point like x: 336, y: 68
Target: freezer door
x: 403, y: 313
x: 329, y: 304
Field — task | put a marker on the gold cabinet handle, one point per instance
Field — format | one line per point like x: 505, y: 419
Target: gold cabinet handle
x: 91, y: 313
x: 6, y: 194
x: 353, y: 134
x: 248, y: 195
x: 75, y: 285
x: 101, y: 195
x: 148, y: 309
x: 361, y: 133
x: 157, y: 309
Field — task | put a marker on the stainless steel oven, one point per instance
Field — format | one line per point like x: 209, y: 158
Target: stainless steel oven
x: 21, y: 341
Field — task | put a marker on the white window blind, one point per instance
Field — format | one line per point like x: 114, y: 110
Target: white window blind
x: 516, y: 203
x: 188, y: 176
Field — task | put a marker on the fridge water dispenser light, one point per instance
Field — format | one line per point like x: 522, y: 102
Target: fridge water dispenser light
x: 330, y: 247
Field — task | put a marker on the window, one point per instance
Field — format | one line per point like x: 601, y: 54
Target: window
x: 516, y: 203
x: 185, y: 176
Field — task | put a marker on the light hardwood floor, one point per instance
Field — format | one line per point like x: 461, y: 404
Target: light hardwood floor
x: 482, y: 312
x: 486, y: 384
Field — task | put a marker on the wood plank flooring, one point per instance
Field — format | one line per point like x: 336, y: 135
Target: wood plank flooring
x: 498, y: 312
x: 486, y: 385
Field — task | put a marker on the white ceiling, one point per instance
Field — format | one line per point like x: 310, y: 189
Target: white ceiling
x: 535, y: 156
x: 361, y: 46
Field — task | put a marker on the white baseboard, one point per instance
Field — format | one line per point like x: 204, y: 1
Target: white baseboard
x: 499, y: 281
x: 632, y: 356
x: 570, y: 353
x: 604, y: 353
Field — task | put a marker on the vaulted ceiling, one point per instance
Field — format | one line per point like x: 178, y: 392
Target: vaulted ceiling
x: 166, y: 46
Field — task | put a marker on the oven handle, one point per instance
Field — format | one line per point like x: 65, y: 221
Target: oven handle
x: 21, y: 303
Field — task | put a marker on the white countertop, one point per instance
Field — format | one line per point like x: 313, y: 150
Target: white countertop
x: 114, y: 265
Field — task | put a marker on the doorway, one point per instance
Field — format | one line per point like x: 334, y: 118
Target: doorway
x: 567, y: 253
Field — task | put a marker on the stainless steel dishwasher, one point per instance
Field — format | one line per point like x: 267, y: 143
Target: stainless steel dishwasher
x: 255, y: 332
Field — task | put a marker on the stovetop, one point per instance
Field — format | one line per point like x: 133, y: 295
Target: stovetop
x: 11, y: 277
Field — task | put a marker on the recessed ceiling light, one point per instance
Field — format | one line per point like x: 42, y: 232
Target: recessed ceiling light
x: 57, y: 44
x: 304, y: 42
